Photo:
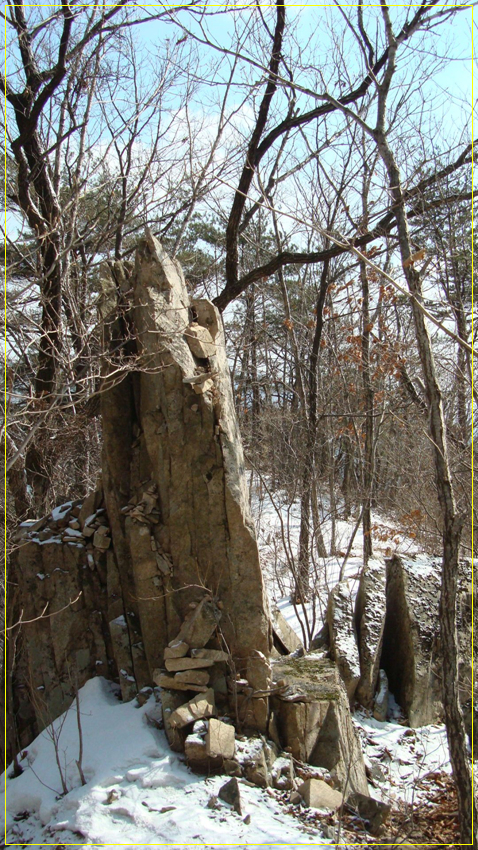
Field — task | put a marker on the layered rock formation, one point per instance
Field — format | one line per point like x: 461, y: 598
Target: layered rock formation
x: 412, y: 653
x: 394, y: 637
x: 168, y: 532
x: 174, y: 482
x: 313, y: 720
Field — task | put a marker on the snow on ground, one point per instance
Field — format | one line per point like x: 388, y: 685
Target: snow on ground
x: 398, y: 757
x: 277, y: 520
x: 138, y: 792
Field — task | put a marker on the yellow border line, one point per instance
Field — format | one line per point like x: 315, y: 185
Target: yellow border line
x: 226, y: 6
x: 472, y: 420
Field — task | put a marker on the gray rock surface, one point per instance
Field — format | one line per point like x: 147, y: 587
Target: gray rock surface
x: 411, y: 654
x: 231, y: 794
x: 370, y: 610
x: 343, y: 640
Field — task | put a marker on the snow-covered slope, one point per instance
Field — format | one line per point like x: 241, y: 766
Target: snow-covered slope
x: 138, y: 792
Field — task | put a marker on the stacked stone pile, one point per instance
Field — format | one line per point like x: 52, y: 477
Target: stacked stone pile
x: 187, y: 664
x: 82, y: 523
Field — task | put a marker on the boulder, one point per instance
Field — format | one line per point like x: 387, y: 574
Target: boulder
x: 257, y: 760
x: 200, y: 341
x: 205, y: 316
x: 370, y: 610
x: 230, y: 794
x: 200, y: 623
x: 258, y: 672
x: 314, y: 722
x: 220, y: 739
x: 101, y: 538
x: 196, y: 709
x: 318, y: 795
x: 343, y: 640
x: 170, y: 702
x: 176, y: 649
x: 195, y: 751
x: 285, y: 639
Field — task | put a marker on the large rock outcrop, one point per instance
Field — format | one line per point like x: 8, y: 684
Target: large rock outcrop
x: 174, y: 484
x: 404, y: 640
x: 342, y: 635
x: 167, y: 533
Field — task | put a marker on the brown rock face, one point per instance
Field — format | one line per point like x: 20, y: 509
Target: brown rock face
x: 220, y: 739
x: 173, y: 475
x: 55, y: 654
x: 169, y: 528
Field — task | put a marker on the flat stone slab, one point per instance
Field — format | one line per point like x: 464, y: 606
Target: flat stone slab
x: 176, y: 649
x: 171, y: 683
x: 174, y: 665
x: 195, y: 677
x: 201, y: 706
x: 285, y: 639
x: 210, y: 654
x: 220, y: 739
x: 318, y: 795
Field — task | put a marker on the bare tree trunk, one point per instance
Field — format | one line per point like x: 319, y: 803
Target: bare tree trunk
x: 308, y: 469
x: 452, y: 521
x: 368, y: 460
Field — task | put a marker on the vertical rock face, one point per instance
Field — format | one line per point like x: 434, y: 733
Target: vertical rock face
x: 343, y: 640
x: 166, y: 545
x: 63, y: 603
x: 412, y: 653
x: 370, y: 612
x: 173, y: 470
